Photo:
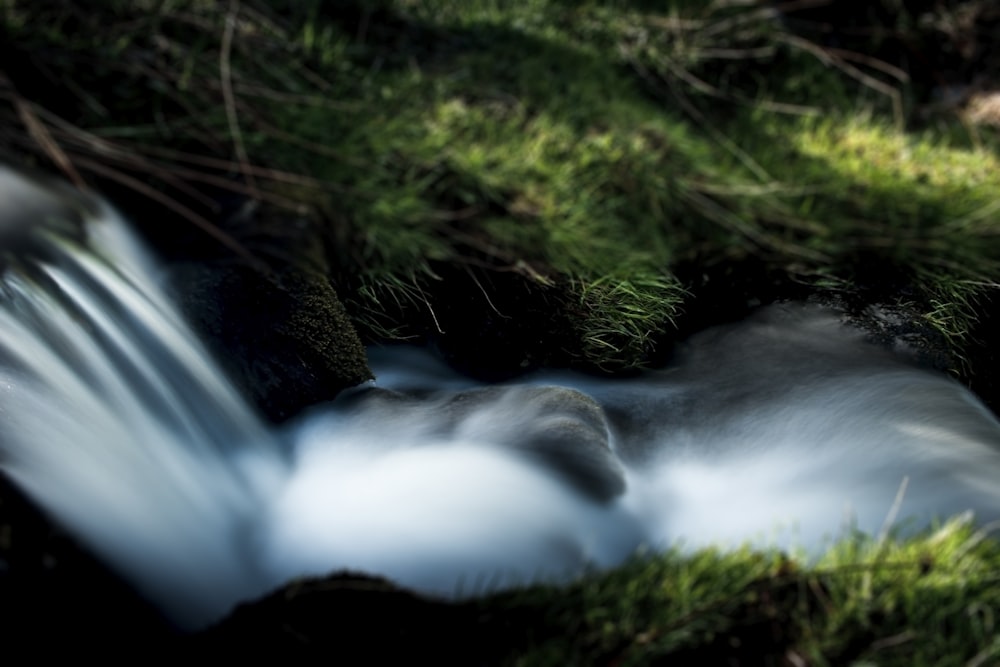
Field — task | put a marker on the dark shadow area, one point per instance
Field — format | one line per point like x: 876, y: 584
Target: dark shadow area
x: 364, y: 620
x: 951, y: 43
x: 54, y: 594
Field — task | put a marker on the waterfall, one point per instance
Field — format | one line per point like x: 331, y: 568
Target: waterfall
x: 114, y: 418
x: 785, y: 430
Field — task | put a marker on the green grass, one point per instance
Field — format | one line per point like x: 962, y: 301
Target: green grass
x: 598, y: 147
x: 603, y: 151
x: 930, y: 600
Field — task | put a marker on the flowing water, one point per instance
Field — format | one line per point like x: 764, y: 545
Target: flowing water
x: 784, y: 430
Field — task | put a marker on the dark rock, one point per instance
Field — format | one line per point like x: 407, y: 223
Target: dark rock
x: 283, y: 336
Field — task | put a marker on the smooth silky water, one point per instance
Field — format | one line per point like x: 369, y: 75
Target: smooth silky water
x: 786, y: 430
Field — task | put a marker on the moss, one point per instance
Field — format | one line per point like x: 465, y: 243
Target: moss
x: 283, y: 337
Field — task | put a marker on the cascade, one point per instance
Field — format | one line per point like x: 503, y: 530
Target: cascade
x: 785, y: 430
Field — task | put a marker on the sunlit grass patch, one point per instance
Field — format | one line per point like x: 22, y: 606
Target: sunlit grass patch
x: 925, y: 600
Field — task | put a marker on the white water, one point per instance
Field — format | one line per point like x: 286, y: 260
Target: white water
x: 782, y: 430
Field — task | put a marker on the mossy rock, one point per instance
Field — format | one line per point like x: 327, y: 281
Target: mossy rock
x: 282, y: 335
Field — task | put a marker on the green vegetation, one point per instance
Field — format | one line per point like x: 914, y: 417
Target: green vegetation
x: 927, y: 601
x: 601, y: 148
x: 605, y: 153
x: 613, y: 165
